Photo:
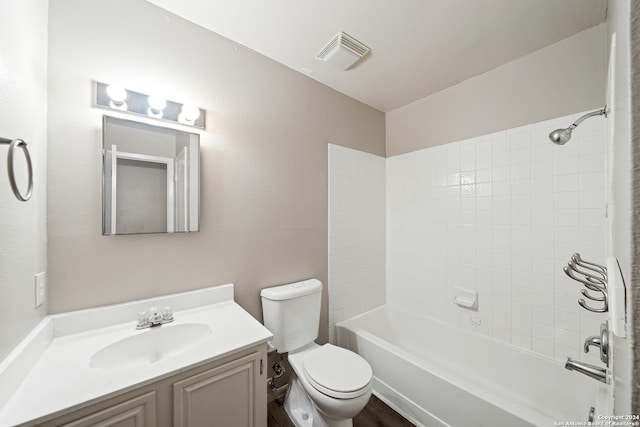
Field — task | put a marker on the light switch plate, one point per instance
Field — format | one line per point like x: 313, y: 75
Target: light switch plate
x: 41, y: 288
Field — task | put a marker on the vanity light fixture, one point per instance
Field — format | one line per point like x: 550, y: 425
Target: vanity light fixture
x: 114, y: 97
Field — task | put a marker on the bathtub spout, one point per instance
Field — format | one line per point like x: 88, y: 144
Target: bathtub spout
x: 595, y: 372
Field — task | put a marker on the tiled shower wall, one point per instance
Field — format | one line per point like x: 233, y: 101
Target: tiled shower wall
x: 500, y: 214
x: 356, y: 233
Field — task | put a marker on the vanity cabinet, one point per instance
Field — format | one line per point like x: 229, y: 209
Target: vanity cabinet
x: 222, y: 396
x: 231, y: 391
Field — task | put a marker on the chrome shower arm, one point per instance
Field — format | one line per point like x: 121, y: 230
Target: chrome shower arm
x: 601, y: 112
x: 562, y: 136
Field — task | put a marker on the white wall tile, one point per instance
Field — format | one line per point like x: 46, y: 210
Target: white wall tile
x: 542, y: 184
x: 567, y: 183
x: 541, y: 168
x: 501, y: 188
x: 503, y: 334
x: 357, y: 231
x: 505, y: 213
x: 542, y: 347
x: 501, y: 173
x: 592, y: 181
x: 521, y: 156
x: 542, y: 314
x: 542, y: 152
x: 567, y: 165
x: 592, y: 199
x: 501, y: 158
x: 499, y: 143
x: 591, y: 163
x: 591, y: 144
x: 568, y: 151
x: 521, y: 340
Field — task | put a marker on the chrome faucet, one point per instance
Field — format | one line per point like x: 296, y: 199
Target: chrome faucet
x: 153, y: 317
x: 592, y: 371
x: 601, y: 341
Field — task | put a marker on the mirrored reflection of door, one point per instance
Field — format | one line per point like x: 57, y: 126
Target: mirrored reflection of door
x: 144, y: 198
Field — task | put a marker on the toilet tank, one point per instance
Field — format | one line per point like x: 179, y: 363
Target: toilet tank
x: 292, y: 313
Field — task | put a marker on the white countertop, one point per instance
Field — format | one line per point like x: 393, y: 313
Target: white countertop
x: 61, y: 377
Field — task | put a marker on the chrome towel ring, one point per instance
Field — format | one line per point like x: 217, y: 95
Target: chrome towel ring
x: 13, y: 143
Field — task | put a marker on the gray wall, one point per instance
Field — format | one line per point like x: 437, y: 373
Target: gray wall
x: 564, y: 78
x: 263, y: 159
x: 23, y: 114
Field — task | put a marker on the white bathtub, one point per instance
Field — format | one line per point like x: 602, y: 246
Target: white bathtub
x: 436, y: 374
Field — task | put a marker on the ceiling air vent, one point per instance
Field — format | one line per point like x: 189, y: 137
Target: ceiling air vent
x: 343, y: 51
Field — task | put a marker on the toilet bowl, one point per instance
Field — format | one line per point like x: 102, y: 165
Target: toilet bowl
x: 330, y: 384
x: 337, y: 383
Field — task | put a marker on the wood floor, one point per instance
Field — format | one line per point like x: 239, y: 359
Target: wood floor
x: 375, y: 414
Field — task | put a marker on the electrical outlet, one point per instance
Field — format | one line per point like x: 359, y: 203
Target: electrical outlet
x: 41, y: 288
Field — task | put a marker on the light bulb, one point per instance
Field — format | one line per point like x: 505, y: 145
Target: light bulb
x: 190, y: 112
x: 157, y: 103
x: 117, y: 94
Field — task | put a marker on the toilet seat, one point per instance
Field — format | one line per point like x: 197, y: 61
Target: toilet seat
x: 337, y: 372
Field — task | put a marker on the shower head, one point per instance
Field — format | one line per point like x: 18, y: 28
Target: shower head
x: 562, y: 136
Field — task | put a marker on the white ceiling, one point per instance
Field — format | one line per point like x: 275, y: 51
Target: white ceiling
x: 418, y: 47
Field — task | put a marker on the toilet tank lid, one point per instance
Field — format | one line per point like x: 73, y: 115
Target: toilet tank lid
x: 292, y: 290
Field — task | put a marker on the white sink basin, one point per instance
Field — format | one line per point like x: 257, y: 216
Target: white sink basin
x: 150, y: 346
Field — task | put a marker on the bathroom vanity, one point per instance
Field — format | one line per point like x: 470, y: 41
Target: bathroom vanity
x: 93, y: 367
x: 229, y: 392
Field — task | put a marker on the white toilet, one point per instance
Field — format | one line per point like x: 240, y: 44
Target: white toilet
x: 331, y: 384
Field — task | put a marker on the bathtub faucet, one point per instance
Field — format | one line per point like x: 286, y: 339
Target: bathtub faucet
x: 595, y: 372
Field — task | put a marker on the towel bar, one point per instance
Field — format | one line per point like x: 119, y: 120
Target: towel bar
x: 13, y: 143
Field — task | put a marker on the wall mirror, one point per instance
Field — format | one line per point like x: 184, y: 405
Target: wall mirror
x: 150, y: 178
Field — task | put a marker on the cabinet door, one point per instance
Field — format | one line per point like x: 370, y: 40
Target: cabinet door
x: 227, y: 395
x: 137, y: 412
